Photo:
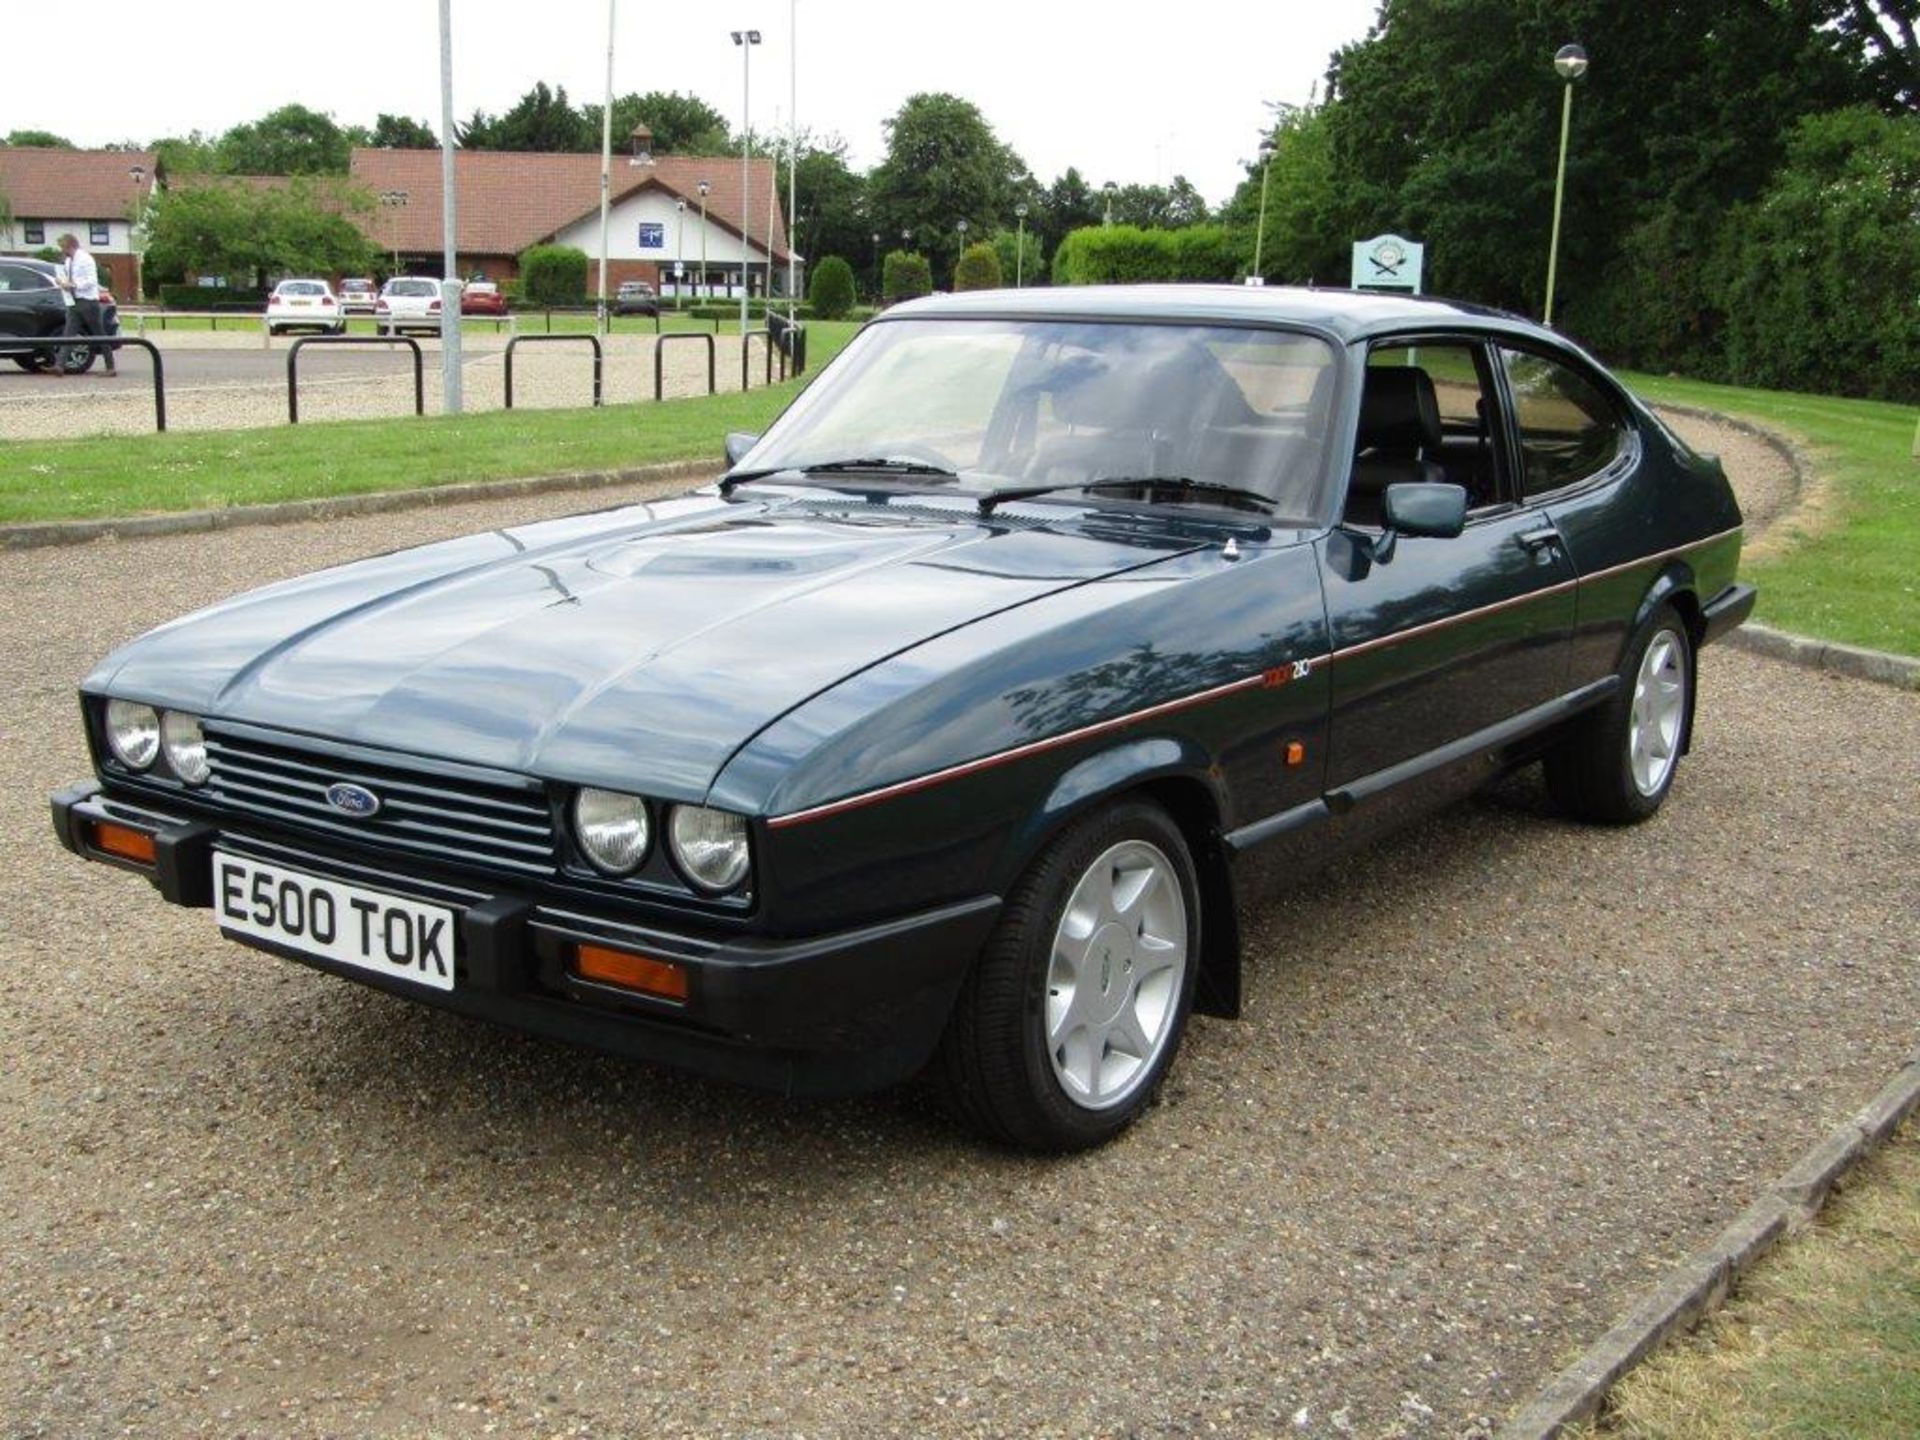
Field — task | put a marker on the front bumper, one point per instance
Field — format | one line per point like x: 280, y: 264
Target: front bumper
x: 831, y: 1014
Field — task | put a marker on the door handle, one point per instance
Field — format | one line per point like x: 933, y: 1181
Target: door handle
x: 1541, y: 539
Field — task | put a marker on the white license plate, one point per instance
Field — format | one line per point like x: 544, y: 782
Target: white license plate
x: 368, y: 929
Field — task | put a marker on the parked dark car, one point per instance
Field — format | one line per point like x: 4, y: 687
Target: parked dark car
x: 31, y: 305
x: 636, y: 297
x: 946, y: 729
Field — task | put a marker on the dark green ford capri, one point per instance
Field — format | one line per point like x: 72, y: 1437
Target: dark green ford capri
x: 947, y: 730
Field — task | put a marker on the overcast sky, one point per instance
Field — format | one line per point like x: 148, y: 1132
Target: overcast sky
x: 1128, y: 92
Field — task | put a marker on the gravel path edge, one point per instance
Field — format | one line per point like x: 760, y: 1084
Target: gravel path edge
x: 33, y: 535
x: 1698, y: 1287
x: 1880, y: 666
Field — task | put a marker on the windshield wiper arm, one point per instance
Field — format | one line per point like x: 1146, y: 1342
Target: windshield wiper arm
x: 1179, y: 484
x: 870, y: 464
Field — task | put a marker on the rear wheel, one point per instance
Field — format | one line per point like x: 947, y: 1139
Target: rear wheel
x: 1618, y: 764
x: 1074, y: 1010
x: 34, y: 361
x: 76, y: 359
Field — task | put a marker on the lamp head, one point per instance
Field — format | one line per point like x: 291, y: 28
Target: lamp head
x: 1020, y: 210
x: 1570, y: 61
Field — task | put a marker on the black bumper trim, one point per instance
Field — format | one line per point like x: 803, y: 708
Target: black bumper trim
x: 818, y: 1015
x: 1726, y: 611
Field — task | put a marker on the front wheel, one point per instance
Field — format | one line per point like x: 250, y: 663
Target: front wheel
x: 1617, y: 765
x: 76, y: 359
x: 1072, y: 1014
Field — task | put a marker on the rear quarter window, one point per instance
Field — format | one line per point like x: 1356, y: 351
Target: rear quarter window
x: 1570, y: 430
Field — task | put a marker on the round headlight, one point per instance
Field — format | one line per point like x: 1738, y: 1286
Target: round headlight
x: 709, y: 846
x: 185, y: 745
x: 612, y: 829
x: 133, y: 733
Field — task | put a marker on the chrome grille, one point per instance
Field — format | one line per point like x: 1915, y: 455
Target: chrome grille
x: 449, y: 812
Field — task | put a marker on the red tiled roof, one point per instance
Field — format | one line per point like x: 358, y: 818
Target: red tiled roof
x: 510, y: 199
x: 55, y: 184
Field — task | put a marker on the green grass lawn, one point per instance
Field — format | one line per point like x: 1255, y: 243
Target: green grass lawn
x: 1851, y: 570
x: 209, y: 469
x: 1821, y: 1339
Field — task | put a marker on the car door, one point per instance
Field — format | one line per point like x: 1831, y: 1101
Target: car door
x: 29, y: 302
x: 1438, y: 643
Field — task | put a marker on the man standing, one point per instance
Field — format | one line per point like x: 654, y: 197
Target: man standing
x: 80, y: 278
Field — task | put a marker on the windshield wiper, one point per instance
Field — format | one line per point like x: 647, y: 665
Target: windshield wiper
x: 864, y: 465
x: 1182, y: 485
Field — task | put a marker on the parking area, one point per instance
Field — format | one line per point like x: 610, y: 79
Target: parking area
x: 230, y: 381
x: 1495, y: 1075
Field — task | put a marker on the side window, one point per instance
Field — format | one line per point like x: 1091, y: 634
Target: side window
x: 1394, y: 443
x: 1569, y: 430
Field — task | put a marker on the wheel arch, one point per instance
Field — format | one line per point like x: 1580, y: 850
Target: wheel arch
x: 1177, y: 776
x: 1676, y: 586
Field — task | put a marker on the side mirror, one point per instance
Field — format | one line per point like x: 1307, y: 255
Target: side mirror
x: 738, y: 443
x: 1420, y: 508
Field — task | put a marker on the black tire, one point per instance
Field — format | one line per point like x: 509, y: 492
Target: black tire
x: 34, y: 361
x: 76, y: 359
x: 996, y: 1067
x: 1594, y: 772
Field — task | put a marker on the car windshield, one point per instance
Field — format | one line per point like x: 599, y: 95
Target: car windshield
x: 412, y: 287
x: 1066, y: 402
x: 302, y: 287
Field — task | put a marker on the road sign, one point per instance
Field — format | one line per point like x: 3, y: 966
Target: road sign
x: 1388, y: 262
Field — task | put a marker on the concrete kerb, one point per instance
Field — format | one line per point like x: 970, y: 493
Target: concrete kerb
x: 1699, y: 1285
x: 186, y: 522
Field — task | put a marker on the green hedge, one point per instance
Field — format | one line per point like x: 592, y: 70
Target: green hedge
x: 979, y: 268
x: 721, y: 310
x: 1127, y: 255
x: 204, y: 297
x: 830, y: 291
x: 553, y: 275
x: 905, y: 274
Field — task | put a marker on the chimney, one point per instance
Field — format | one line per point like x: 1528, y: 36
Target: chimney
x: 642, y: 140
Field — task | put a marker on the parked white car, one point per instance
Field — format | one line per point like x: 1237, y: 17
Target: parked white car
x: 358, y: 296
x: 304, y: 305
x: 407, y: 302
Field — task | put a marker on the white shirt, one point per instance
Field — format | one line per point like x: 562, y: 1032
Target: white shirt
x: 83, y: 276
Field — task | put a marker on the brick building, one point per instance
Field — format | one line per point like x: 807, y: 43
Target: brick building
x: 508, y: 200
x: 93, y: 194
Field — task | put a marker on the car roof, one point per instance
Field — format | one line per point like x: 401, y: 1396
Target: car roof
x: 1347, y: 314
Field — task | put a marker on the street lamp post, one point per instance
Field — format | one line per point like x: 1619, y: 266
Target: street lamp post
x: 392, y: 200
x: 960, y: 226
x: 1020, y: 246
x: 137, y: 228
x: 1570, y: 61
x: 449, y: 231
x: 1260, y: 230
x: 1109, y: 188
x: 680, y: 258
x: 746, y: 40
x: 876, y: 264
x: 700, y: 291
x: 601, y: 324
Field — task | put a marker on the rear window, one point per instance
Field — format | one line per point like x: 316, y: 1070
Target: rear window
x: 412, y: 287
x: 302, y: 287
x: 356, y: 287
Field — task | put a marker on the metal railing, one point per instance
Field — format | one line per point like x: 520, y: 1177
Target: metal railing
x: 293, y: 358
x: 22, y: 345
x: 746, y: 353
x: 593, y: 340
x: 660, y: 355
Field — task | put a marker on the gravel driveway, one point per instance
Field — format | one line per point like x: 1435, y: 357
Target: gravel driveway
x: 1496, y: 1074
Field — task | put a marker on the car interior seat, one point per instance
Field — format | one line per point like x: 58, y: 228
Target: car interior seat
x: 1399, y: 436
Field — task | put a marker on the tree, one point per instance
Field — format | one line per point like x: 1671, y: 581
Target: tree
x: 681, y: 124
x: 401, y: 132
x: 905, y: 275
x: 292, y: 140
x: 978, y: 268
x: 44, y: 138
x: 1882, y: 33
x: 217, y: 226
x: 830, y: 290
x: 542, y: 119
x: 943, y: 165
x: 1162, y: 207
x: 1069, y: 204
x: 832, y: 218
x: 189, y: 154
x: 1306, y: 236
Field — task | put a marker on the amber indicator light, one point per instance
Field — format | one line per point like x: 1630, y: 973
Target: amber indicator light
x: 119, y: 840
x: 1296, y: 753
x: 661, y: 978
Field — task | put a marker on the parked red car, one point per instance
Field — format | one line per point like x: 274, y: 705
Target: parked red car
x: 482, y: 297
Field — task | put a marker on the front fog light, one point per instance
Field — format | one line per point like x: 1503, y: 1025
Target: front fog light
x: 133, y: 733
x: 612, y: 829
x: 709, y: 846
x: 185, y: 745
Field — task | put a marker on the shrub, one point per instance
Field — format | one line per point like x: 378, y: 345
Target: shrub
x: 979, y: 268
x: 1127, y: 255
x: 554, y: 275
x: 1014, y: 269
x: 830, y: 291
x: 202, y: 297
x: 905, y: 274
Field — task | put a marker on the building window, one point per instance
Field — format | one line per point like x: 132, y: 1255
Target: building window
x: 36, y: 232
x: 97, y: 232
